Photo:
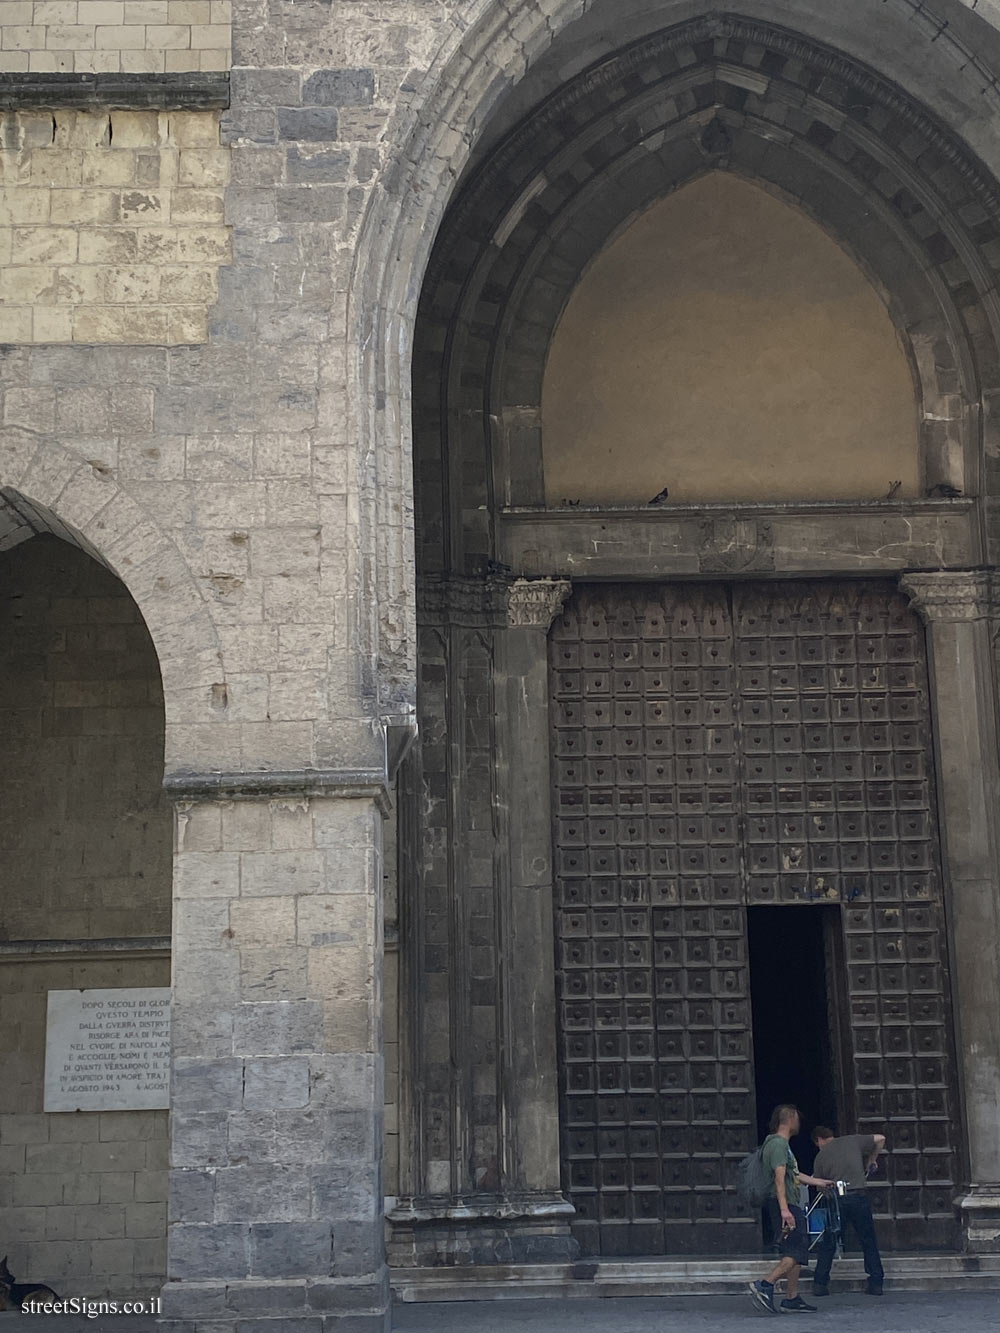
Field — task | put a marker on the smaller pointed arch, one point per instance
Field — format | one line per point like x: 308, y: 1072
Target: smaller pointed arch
x: 52, y: 489
x: 724, y: 348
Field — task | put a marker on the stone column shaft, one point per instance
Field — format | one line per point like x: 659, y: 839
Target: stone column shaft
x: 530, y: 1068
x: 957, y: 607
x: 479, y: 935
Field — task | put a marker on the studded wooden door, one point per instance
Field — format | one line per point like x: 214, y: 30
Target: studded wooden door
x: 715, y: 747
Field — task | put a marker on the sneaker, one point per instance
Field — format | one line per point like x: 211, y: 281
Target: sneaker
x: 820, y: 1289
x: 873, y: 1289
x: 762, y: 1295
x: 798, y: 1306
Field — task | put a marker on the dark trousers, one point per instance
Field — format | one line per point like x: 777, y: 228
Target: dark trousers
x: 855, y: 1208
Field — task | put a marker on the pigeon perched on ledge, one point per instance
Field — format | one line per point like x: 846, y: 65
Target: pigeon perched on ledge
x: 942, y: 491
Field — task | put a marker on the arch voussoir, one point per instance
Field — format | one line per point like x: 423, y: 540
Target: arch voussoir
x: 81, y: 502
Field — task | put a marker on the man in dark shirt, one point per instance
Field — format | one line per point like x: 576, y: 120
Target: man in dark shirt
x: 849, y: 1158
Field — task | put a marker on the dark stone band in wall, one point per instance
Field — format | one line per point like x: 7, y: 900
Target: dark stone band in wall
x: 353, y: 784
x: 134, y: 92
x: 131, y: 945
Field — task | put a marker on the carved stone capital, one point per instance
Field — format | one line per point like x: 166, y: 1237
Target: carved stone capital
x: 535, y: 603
x: 952, y: 594
x: 456, y: 600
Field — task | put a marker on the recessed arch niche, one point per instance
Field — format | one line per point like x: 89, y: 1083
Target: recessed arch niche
x: 723, y: 346
x: 909, y: 209
x: 86, y: 872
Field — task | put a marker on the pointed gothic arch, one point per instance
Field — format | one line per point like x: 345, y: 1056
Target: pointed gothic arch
x: 51, y: 488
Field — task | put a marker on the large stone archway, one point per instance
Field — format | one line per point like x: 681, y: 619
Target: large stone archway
x: 482, y: 1145
x: 474, y: 88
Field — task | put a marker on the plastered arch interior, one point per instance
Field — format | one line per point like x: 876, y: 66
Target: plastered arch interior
x: 724, y: 348
x: 898, y: 195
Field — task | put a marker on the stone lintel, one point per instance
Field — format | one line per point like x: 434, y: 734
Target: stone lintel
x: 674, y: 542
x: 952, y: 594
x: 535, y: 603
x: 347, y: 784
x: 197, y: 91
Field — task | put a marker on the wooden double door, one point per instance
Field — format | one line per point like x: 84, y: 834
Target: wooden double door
x: 744, y: 820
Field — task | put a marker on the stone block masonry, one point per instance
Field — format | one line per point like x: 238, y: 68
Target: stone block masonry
x: 111, y: 226
x: 278, y: 1077
x: 112, y: 36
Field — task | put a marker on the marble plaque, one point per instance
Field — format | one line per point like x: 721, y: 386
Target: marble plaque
x: 108, y: 1050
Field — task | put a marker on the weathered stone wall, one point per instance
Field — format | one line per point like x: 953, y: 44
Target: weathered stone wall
x: 111, y: 226
x: 85, y: 855
x: 278, y: 1090
x: 108, y: 36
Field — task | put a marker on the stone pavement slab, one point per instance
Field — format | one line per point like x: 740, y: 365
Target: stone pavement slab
x: 906, y: 1312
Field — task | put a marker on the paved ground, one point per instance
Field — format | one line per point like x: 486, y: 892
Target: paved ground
x: 904, y: 1313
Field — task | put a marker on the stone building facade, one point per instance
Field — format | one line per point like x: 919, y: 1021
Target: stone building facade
x: 509, y: 488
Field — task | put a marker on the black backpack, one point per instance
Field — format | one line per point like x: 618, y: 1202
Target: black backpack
x: 754, y: 1179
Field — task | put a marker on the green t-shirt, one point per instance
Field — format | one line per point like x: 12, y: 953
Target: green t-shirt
x: 778, y: 1152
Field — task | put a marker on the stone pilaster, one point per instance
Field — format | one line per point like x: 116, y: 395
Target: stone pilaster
x: 448, y: 983
x: 959, y: 610
x: 277, y: 1091
x: 529, y: 1073
x: 482, y: 1180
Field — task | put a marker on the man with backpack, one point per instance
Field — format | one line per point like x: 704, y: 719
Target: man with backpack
x: 849, y: 1158
x: 786, y: 1214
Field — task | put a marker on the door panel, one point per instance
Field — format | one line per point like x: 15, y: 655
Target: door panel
x: 656, y: 1096
x: 715, y: 747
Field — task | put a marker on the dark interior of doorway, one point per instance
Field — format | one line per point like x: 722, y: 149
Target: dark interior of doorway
x: 795, y: 1023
